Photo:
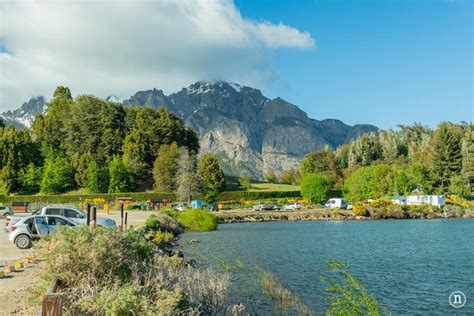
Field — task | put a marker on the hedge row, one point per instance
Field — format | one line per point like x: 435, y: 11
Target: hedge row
x: 75, y: 198
x: 144, y: 196
x: 257, y: 195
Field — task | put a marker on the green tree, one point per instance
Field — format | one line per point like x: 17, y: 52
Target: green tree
x: 290, y: 176
x: 458, y: 186
x: 389, y: 142
x: 323, y: 161
x: 245, y: 182
x: 97, y: 178
x: 58, y: 175
x: 30, y: 179
x: 166, y: 167
x: 188, y: 182
x: 120, y: 179
x: 271, y: 177
x: 316, y: 187
x: 447, y: 160
x: 211, y: 173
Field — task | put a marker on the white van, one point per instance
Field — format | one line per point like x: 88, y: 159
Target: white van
x: 336, y: 203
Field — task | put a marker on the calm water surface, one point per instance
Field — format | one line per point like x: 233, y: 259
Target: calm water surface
x: 410, y: 265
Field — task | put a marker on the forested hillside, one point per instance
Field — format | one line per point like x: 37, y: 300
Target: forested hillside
x: 101, y: 146
x: 415, y: 158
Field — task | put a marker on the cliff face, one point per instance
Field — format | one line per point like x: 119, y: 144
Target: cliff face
x: 250, y: 133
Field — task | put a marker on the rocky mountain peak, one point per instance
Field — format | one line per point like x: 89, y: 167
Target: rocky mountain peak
x: 249, y: 133
x: 25, y: 114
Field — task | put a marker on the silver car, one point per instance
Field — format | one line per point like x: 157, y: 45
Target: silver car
x: 5, y: 210
x: 34, y: 227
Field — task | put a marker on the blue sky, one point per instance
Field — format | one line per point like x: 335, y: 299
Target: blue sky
x: 384, y: 62
x: 379, y: 62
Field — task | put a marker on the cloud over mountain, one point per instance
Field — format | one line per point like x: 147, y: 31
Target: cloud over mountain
x: 109, y: 46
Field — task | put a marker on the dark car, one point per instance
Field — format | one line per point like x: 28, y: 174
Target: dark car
x: 212, y: 207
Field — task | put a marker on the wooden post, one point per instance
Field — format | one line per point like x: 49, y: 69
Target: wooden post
x: 88, y: 218
x: 94, y: 217
x: 121, y: 216
x: 52, y: 305
x: 126, y: 218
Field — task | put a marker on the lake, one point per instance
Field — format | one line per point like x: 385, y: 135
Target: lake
x: 411, y: 266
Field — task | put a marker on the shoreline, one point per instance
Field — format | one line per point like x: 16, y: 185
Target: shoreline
x: 245, y: 216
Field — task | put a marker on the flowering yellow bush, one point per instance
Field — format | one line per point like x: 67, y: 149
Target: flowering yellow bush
x: 381, y: 203
x: 360, y: 209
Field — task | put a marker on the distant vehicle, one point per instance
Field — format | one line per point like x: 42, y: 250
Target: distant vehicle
x: 263, y: 207
x: 293, y: 206
x: 181, y: 207
x: 30, y: 228
x: 5, y: 210
x: 212, y: 207
x: 334, y: 203
x: 68, y: 211
x: 275, y: 207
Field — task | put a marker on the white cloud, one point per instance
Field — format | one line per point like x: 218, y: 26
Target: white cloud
x: 119, y: 47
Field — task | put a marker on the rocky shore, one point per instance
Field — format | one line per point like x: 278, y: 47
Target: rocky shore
x: 246, y: 216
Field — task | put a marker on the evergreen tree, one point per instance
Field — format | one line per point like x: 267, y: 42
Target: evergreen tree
x: 211, y: 175
x: 447, y: 160
x: 165, y: 167
x: 97, y: 178
x: 120, y: 177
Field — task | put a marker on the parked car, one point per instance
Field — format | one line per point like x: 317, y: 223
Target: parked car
x: 262, y: 207
x: 275, y: 206
x: 30, y: 228
x: 334, y: 203
x: 212, y: 207
x: 293, y: 206
x: 68, y: 211
x: 181, y: 207
x: 5, y: 211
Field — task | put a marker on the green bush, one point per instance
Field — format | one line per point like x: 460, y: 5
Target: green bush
x: 169, y: 211
x: 198, y: 220
x: 163, y: 238
x: 316, y: 187
x: 105, y: 272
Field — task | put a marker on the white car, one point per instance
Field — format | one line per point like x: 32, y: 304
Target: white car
x: 181, y: 207
x: 293, y: 206
x: 30, y: 228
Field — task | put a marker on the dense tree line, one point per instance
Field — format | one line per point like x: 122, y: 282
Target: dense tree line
x: 415, y: 158
x: 103, y: 146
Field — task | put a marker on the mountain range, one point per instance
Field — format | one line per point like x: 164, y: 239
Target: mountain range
x: 250, y: 133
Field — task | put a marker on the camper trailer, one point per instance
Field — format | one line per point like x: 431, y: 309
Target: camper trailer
x: 435, y: 200
x: 336, y: 203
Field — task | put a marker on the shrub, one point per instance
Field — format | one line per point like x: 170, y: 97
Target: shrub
x: 198, y: 220
x: 381, y: 203
x: 163, y: 222
x: 360, y: 209
x: 163, y: 238
x: 105, y: 272
x: 346, y: 293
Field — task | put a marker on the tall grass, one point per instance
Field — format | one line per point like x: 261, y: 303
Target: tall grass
x: 198, y: 220
x: 285, y: 300
x: 105, y: 272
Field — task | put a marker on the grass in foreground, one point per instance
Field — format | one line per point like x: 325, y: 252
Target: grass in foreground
x: 105, y: 272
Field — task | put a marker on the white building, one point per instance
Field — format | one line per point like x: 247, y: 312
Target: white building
x: 435, y: 200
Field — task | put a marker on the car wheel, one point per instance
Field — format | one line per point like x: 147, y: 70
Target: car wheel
x: 23, y: 242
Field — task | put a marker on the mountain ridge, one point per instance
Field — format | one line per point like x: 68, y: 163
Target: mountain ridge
x: 250, y: 133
